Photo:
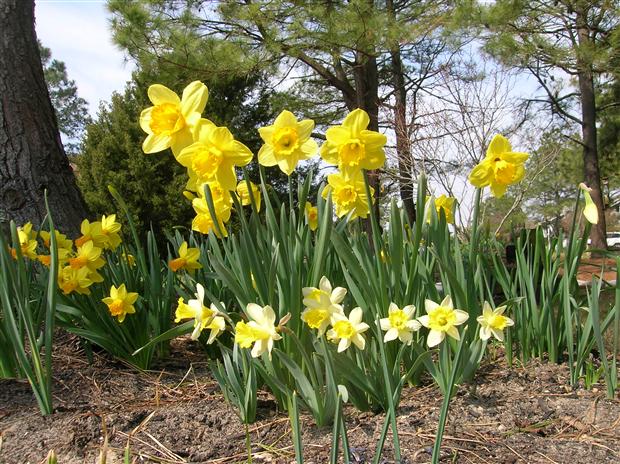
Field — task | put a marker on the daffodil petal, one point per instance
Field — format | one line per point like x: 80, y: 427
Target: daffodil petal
x: 156, y: 143
x: 499, y: 144
x: 160, y: 94
x: 194, y: 99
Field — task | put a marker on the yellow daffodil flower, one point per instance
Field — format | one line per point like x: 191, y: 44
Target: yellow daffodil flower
x: 213, y: 157
x: 171, y: 121
x: 27, y: 242
x: 244, y: 195
x: 441, y: 203
x: 351, y: 146
x: 399, y: 324
x: 74, y: 280
x: 321, y: 304
x: 63, y: 257
x: 89, y: 256
x: 287, y: 142
x: 61, y: 240
x: 493, y: 322
x: 349, y: 330
x: 312, y: 216
x: 120, y: 302
x: 348, y: 194
x: 500, y: 168
x: 203, y: 222
x: 442, y: 319
x: 110, y: 238
x: 589, y: 211
x: 261, y: 330
x: 90, y: 231
x: 188, y: 259
x: 204, y: 318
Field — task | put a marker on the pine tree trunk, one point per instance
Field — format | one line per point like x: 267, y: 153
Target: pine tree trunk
x: 366, y: 94
x: 588, y: 130
x: 403, y: 148
x: 32, y: 158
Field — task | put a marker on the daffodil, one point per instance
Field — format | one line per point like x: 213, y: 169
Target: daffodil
x: 120, y: 302
x: 203, y: 222
x: 90, y: 231
x: 442, y: 319
x: 88, y: 256
x: 244, y: 195
x: 312, y: 216
x: 63, y: 257
x: 589, y: 211
x: 348, y: 194
x: 287, y: 142
x: 352, y: 146
x: 349, y: 330
x: 171, y: 121
x: 493, y: 322
x: 442, y: 203
x: 321, y: 304
x: 62, y: 242
x: 188, y: 259
x: 500, y: 168
x: 110, y: 238
x: 260, y: 330
x: 74, y: 280
x: 213, y: 157
x: 204, y: 318
x: 27, y: 242
x: 399, y: 324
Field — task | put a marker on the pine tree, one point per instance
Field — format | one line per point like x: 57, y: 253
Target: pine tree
x: 70, y: 109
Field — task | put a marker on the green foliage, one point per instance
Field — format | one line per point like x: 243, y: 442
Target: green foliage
x: 71, y: 111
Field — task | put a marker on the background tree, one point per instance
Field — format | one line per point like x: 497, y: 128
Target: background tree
x: 70, y: 109
x: 561, y: 43
x: 32, y: 158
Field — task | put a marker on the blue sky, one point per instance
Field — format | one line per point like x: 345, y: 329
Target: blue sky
x: 78, y: 33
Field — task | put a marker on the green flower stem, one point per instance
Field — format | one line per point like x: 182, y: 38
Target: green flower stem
x: 390, y: 399
x: 443, y: 415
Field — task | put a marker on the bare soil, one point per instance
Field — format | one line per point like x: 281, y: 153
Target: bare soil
x: 176, y: 414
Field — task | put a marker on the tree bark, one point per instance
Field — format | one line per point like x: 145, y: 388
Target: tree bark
x: 403, y: 148
x: 592, y: 175
x: 32, y: 158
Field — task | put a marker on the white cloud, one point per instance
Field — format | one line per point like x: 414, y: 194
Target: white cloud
x: 78, y: 33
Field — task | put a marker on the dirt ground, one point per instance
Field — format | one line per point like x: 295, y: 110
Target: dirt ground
x: 176, y: 414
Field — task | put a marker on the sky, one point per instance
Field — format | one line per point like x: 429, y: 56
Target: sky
x: 78, y: 33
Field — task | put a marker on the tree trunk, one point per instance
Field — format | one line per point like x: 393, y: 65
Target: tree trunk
x: 588, y: 130
x: 32, y: 158
x: 366, y: 94
x: 403, y: 148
